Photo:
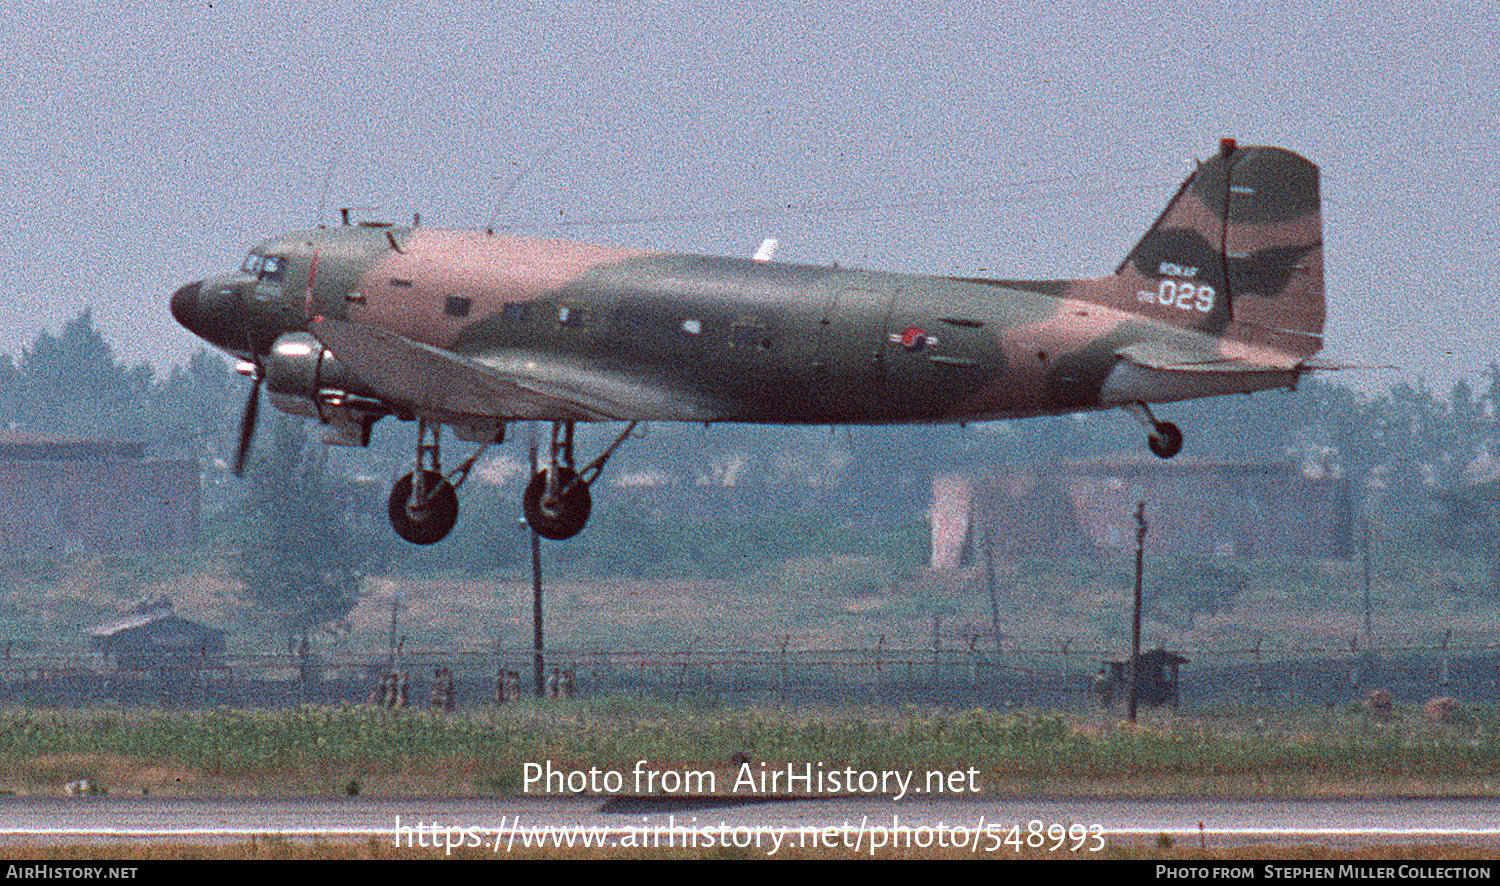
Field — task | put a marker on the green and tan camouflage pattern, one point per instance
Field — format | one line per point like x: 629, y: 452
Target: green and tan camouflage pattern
x: 1224, y: 294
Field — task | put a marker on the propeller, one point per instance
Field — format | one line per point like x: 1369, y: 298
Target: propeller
x: 247, y: 426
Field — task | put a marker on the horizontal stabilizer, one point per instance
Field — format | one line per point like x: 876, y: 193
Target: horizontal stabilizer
x: 1160, y: 372
x: 1176, y: 357
x: 1332, y: 366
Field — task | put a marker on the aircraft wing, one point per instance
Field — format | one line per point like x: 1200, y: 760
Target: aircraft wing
x: 452, y: 385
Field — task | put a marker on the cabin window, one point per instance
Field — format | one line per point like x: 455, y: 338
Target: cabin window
x: 574, y: 317
x: 515, y: 313
x: 272, y: 269
x: 456, y: 306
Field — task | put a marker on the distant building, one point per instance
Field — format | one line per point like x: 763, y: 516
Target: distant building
x: 151, y: 636
x: 855, y: 500
x: 1199, y: 509
x: 81, y: 496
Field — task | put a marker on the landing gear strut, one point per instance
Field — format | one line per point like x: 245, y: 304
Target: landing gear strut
x: 1165, y: 438
x: 424, y: 503
x: 557, y: 501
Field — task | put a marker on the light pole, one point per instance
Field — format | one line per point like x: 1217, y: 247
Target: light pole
x: 1135, y: 622
x: 536, y: 589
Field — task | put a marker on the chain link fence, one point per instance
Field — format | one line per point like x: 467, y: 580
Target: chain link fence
x: 958, y: 670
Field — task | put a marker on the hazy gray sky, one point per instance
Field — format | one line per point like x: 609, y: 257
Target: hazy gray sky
x: 152, y: 144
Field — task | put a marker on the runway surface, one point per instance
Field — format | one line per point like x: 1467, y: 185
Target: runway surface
x: 494, y: 822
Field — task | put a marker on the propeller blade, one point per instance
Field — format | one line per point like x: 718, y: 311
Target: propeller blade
x: 247, y: 429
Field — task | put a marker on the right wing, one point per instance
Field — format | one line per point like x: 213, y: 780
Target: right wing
x: 452, y: 386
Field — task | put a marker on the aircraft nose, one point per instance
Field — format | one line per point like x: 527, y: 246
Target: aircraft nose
x: 185, y: 304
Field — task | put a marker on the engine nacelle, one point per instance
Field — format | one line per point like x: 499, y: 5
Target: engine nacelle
x: 303, y: 377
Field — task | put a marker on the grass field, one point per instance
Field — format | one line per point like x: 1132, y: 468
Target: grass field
x: 329, y: 751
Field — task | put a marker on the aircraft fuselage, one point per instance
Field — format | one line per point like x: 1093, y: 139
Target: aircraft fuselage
x: 756, y: 341
x: 1223, y: 294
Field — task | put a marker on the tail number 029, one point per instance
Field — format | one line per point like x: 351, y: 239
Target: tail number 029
x: 1185, y: 295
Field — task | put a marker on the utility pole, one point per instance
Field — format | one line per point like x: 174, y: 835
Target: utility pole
x: 1366, y: 545
x: 937, y: 623
x: 536, y: 590
x: 536, y: 613
x: 1135, y: 623
x: 989, y: 575
x: 395, y: 608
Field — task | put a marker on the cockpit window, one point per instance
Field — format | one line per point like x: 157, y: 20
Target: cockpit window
x: 272, y: 268
x: 252, y: 264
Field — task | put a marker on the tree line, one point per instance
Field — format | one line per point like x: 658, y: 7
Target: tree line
x: 1423, y: 463
x: 1412, y: 450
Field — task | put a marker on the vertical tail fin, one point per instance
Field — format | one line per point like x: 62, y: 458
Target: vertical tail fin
x: 1237, y: 253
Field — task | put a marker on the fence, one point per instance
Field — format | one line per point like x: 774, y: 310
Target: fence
x: 952, y: 670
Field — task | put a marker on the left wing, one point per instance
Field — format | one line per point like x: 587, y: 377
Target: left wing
x: 453, y: 387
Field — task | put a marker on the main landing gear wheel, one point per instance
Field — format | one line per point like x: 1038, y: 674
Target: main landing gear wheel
x: 424, y: 513
x: 426, y: 522
x: 1166, y: 440
x: 562, y: 514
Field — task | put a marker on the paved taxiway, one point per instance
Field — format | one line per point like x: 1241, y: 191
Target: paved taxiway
x: 1330, y: 822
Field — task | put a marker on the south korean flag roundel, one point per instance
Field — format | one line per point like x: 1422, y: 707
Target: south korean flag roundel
x: 913, y: 339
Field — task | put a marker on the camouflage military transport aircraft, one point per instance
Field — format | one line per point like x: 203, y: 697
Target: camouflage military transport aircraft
x: 1223, y: 295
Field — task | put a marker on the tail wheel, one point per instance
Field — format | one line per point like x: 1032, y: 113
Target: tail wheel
x: 565, y: 513
x: 429, y: 522
x: 1166, y: 440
